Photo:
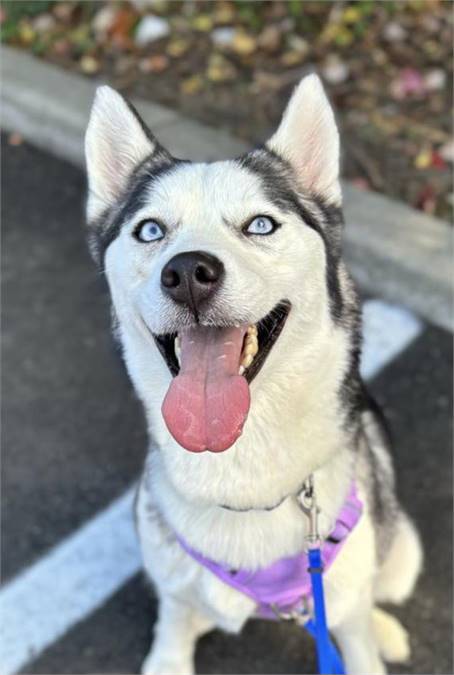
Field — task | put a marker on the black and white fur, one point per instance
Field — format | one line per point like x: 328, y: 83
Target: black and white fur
x: 309, y: 410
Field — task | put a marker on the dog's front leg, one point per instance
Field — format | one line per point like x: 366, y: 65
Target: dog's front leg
x: 175, y: 636
x: 356, y: 638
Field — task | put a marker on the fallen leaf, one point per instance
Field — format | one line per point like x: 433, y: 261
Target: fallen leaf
x: 104, y: 20
x: 423, y: 159
x: 437, y: 161
x: 44, y: 23
x: 244, y: 44
x: 334, y: 70
x: 202, y: 23
x: 192, y: 85
x: 379, y: 57
x: 409, y: 82
x: 89, y: 65
x: 394, y: 32
x: 122, y: 28
x: 219, y: 69
x: 149, y: 29
x: 292, y: 58
x: 81, y: 37
x: 351, y: 15
x: 223, y: 37
x: 177, y: 47
x: 298, y: 44
x: 430, y: 23
x: 62, y: 47
x: 344, y: 37
x: 154, y: 64
x: 63, y: 11
x: 270, y: 39
x: 224, y: 12
x: 26, y: 32
x: 435, y: 79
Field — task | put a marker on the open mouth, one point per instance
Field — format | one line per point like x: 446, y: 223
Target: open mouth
x: 208, y: 399
x: 257, y: 344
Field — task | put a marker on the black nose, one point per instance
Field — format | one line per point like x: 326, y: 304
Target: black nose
x: 191, y: 278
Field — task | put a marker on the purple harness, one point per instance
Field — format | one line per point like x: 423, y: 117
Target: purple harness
x: 284, y: 587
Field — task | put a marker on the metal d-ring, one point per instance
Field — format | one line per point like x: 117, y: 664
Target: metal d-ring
x: 299, y: 616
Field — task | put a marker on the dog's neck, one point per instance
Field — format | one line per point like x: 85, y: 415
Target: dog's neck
x: 253, y: 538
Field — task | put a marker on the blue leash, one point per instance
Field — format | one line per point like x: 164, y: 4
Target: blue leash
x: 328, y: 657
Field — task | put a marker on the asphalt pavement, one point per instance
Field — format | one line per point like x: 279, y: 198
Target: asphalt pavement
x: 73, y: 440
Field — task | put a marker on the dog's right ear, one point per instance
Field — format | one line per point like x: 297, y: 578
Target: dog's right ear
x: 116, y: 141
x: 308, y: 139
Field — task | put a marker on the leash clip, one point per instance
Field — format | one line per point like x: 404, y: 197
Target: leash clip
x: 308, y: 504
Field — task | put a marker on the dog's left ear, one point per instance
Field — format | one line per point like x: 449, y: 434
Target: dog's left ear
x: 116, y: 142
x: 308, y: 139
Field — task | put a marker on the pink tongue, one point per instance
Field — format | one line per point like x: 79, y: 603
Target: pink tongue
x: 207, y: 404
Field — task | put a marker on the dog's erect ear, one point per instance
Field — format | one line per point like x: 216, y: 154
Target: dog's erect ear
x: 115, y: 143
x: 308, y: 139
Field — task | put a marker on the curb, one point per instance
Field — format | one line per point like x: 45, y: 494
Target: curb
x: 393, y: 251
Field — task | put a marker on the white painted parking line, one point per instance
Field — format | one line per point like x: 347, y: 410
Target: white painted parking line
x: 80, y: 574
x: 68, y: 584
x: 387, y: 331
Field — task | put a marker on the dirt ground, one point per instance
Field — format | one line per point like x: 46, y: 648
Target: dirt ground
x: 386, y: 65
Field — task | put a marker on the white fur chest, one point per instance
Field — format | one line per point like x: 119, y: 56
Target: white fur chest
x: 253, y: 538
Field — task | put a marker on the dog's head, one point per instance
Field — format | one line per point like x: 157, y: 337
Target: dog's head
x: 214, y: 264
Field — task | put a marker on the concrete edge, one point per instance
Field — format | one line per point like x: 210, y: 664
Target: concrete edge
x: 392, y: 250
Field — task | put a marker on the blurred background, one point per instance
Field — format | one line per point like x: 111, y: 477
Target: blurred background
x: 73, y: 599
x: 387, y: 67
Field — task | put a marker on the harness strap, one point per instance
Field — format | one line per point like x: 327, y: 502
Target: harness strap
x: 283, y: 588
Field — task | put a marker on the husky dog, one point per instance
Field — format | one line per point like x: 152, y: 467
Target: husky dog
x: 240, y: 329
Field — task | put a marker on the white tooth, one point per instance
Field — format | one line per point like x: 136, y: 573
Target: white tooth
x: 252, y: 330
x: 247, y: 360
x: 241, y: 370
x: 251, y: 340
x: 250, y: 349
x: 177, y: 349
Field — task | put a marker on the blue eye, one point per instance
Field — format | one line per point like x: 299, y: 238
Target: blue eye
x: 149, y: 230
x: 261, y: 225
